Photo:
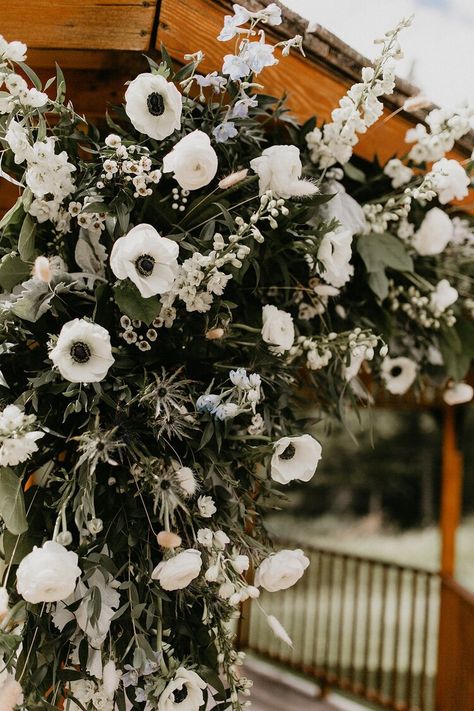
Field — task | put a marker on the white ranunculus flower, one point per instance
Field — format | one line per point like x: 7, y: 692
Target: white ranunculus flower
x: 147, y: 259
x: 153, y: 105
x: 434, y: 233
x: 458, y: 393
x: 281, y: 570
x: 11, y: 693
x: 335, y: 253
x: 443, y: 296
x: 277, y: 329
x: 178, y: 572
x: 183, y: 692
x: 279, y: 169
x: 82, y: 353
x: 450, y: 180
x: 48, y: 574
x: 295, y: 458
x: 398, y: 374
x: 193, y: 161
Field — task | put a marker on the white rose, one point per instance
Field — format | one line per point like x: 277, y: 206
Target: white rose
x: 48, y: 574
x: 335, y: 253
x: 147, y: 259
x: 443, y: 296
x: 277, y: 329
x: 295, y: 458
x: 11, y: 694
x: 398, y: 374
x: 450, y: 180
x: 281, y: 570
x: 458, y: 393
x: 434, y: 233
x: 153, y: 105
x: 279, y: 169
x: 183, y: 693
x: 193, y: 161
x: 82, y: 353
x: 178, y: 572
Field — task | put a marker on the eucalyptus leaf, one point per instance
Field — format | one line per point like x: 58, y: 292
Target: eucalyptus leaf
x: 13, y: 270
x: 26, y: 240
x: 12, y: 503
x: 130, y: 302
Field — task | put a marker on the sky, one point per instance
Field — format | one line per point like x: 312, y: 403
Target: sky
x: 438, y: 47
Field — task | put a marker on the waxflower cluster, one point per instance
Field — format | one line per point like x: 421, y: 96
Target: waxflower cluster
x: 168, y: 292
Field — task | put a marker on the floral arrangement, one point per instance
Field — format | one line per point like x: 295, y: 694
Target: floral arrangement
x: 172, y: 286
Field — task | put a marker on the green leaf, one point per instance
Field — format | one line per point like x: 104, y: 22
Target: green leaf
x: 12, y: 504
x: 378, y: 282
x: 13, y: 270
x: 384, y: 250
x: 26, y: 240
x: 354, y: 173
x: 130, y: 302
x: 13, y: 213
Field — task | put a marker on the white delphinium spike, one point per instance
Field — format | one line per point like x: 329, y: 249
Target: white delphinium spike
x: 360, y: 107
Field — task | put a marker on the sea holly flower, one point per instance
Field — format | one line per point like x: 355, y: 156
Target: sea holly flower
x: 153, y: 105
x: 279, y: 169
x: 193, y: 161
x: 48, y: 574
x: 149, y: 260
x: 398, y: 374
x: 295, y: 458
x: 281, y: 570
x: 82, y: 353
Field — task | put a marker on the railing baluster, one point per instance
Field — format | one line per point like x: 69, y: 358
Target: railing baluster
x: 368, y: 626
x: 318, y: 611
x: 426, y: 623
x: 383, y: 597
x: 330, y: 596
x: 397, y: 635
x: 355, y: 625
x: 340, y: 637
x: 411, y: 644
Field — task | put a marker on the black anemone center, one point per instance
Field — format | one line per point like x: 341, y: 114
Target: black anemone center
x: 289, y: 452
x: 145, y: 264
x: 165, y: 484
x: 396, y: 371
x: 80, y: 352
x: 180, y: 694
x: 162, y: 392
x: 155, y: 104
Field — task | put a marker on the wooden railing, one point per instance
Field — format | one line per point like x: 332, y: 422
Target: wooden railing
x: 360, y: 625
x: 455, y: 687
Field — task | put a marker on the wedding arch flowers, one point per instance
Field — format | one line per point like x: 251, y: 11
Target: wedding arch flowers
x: 170, y: 287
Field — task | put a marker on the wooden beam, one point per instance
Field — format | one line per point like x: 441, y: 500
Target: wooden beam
x: 89, y: 24
x: 314, y: 84
x: 451, y: 492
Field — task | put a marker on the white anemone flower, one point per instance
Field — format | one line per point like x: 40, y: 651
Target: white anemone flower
x: 398, y: 374
x: 83, y: 353
x: 147, y: 259
x: 153, y: 105
x: 183, y: 692
x: 295, y: 458
x: 193, y: 161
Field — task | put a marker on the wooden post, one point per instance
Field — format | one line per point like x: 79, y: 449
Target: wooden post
x: 451, y: 492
